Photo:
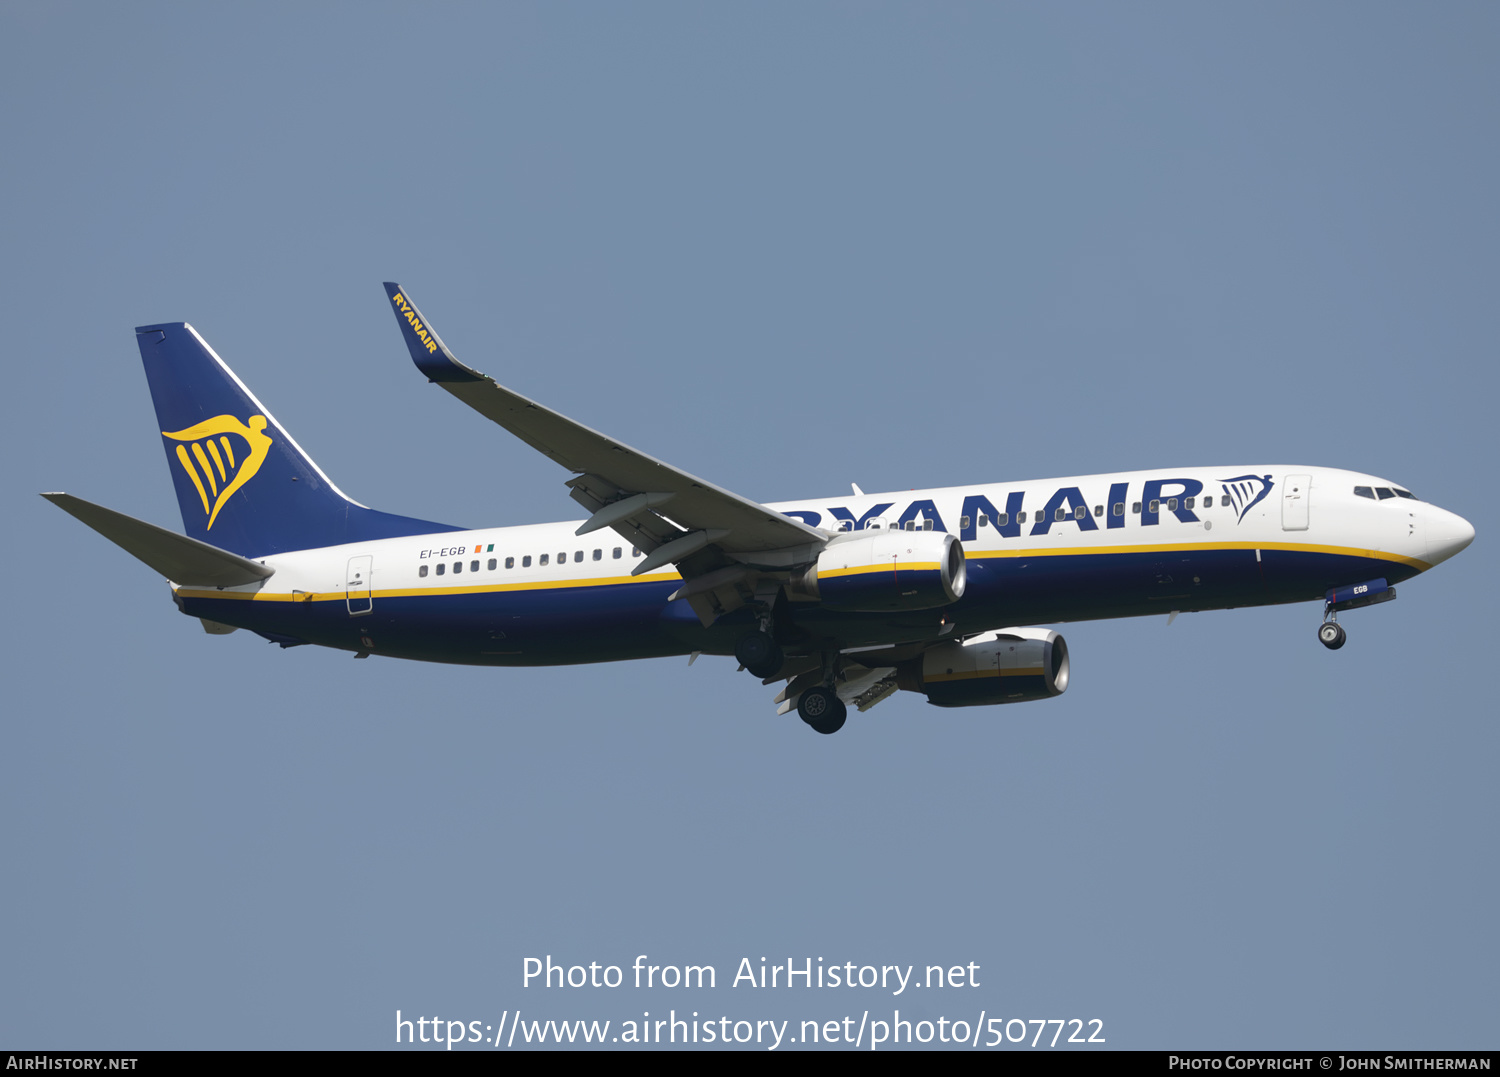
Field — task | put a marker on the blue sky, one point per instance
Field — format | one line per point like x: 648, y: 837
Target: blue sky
x: 786, y: 247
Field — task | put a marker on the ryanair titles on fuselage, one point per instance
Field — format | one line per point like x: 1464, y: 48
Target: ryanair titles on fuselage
x: 1176, y: 496
x: 416, y: 323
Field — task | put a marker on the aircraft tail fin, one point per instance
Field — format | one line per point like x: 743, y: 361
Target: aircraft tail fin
x: 243, y: 484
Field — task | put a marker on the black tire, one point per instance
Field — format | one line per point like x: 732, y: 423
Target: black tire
x: 822, y: 709
x: 1332, y: 635
x: 759, y: 654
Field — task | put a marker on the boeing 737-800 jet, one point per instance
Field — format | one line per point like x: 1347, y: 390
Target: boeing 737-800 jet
x: 846, y: 599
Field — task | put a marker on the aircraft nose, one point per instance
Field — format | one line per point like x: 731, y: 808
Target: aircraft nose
x: 1447, y: 534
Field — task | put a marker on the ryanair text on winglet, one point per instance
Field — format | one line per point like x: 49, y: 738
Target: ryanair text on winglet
x: 416, y: 323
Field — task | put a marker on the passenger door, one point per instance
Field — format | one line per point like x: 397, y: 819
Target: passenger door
x: 357, y: 586
x: 1294, y: 498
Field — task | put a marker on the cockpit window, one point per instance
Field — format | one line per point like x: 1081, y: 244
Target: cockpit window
x: 1364, y: 491
x: 1406, y: 493
x: 1385, y: 493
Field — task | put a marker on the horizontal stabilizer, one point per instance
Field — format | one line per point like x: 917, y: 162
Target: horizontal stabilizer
x: 179, y: 558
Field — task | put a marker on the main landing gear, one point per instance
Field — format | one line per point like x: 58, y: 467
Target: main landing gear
x: 759, y: 654
x: 819, y: 705
x: 822, y: 709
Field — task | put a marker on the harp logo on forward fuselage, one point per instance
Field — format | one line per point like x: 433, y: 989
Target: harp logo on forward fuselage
x: 215, y: 464
x: 1244, y: 492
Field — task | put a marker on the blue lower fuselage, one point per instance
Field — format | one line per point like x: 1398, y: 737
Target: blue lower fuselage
x: 567, y: 625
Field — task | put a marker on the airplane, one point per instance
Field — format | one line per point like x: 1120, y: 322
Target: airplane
x: 845, y: 599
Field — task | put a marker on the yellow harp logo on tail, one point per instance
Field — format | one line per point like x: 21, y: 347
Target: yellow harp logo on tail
x: 222, y: 466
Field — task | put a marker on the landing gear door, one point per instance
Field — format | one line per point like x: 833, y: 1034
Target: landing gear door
x: 357, y: 589
x: 1294, y: 496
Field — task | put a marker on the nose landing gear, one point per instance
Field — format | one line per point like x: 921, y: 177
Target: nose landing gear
x: 1331, y: 634
x: 1352, y: 597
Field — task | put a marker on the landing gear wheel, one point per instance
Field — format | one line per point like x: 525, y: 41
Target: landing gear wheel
x: 759, y: 654
x: 822, y: 709
x: 1331, y: 635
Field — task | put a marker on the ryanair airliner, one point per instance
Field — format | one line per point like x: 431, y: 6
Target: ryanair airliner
x: 846, y: 599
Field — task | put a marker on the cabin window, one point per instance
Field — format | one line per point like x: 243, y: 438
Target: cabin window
x: 422, y: 572
x: 846, y: 525
x: 984, y: 521
x: 1098, y: 510
x: 577, y: 556
x: 1155, y: 506
x: 458, y: 566
x: 1135, y: 507
x: 635, y: 551
x: 926, y: 525
x: 441, y: 568
x: 963, y: 523
x: 598, y: 555
x: 1171, y: 504
x: 1020, y: 517
x: 1119, y: 508
x: 911, y: 525
x: 474, y: 566
x: 1004, y: 518
x: 544, y: 559
x: 617, y: 553
x: 562, y: 557
x: 493, y: 564
x: 526, y: 561
x: 1080, y: 512
x: 510, y: 562
x: 1384, y: 494
x: 1188, y: 503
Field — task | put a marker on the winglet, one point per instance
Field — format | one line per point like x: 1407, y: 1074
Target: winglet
x: 427, y: 349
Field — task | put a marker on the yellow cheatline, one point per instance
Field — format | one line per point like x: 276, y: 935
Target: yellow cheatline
x: 256, y: 438
x: 427, y: 592
x: 208, y: 472
x: 213, y: 450
x: 187, y: 465
x: 900, y: 566
x: 656, y: 577
x: 1189, y: 547
x: 968, y: 675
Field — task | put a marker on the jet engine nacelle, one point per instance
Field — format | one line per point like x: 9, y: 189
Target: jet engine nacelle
x: 1013, y: 665
x: 884, y: 570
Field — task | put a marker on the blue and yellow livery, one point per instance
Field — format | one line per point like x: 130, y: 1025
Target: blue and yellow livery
x: 846, y: 600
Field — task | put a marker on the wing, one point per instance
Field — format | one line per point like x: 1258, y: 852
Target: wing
x: 717, y: 539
